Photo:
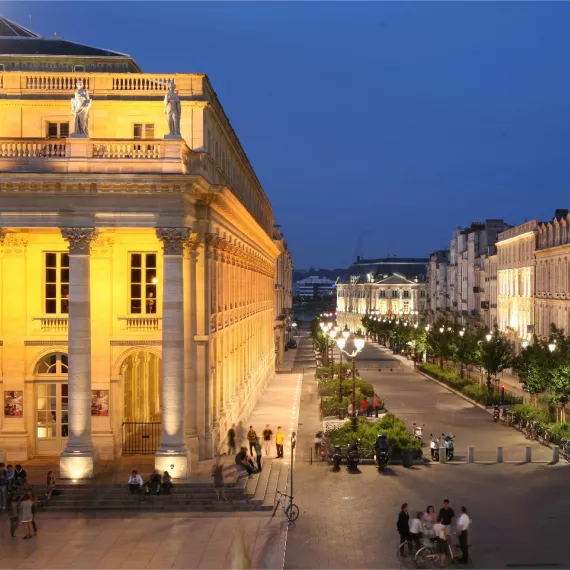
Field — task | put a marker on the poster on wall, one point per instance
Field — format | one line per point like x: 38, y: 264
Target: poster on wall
x: 99, y: 402
x: 13, y: 404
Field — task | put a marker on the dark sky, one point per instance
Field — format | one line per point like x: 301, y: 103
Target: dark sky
x: 387, y: 124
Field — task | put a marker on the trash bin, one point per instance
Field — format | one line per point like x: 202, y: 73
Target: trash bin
x: 407, y: 458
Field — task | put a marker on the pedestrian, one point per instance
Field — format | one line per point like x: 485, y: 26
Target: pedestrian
x: 267, y: 435
x: 251, y: 438
x: 50, y: 484
x: 34, y: 500
x: 318, y: 442
x: 279, y: 439
x: 26, y: 514
x: 3, y: 486
x: 416, y: 530
x: 11, y: 477
x: 403, y: 524
x: 166, y: 484
x: 364, y: 407
x: 258, y: 453
x: 440, y: 541
x: 232, y: 440
x: 350, y: 410
x: 428, y: 521
x: 14, y: 514
x: 135, y: 482
x: 463, y: 523
x: 20, y: 475
x: 370, y: 408
x: 218, y: 475
x: 376, y: 404
x: 447, y: 515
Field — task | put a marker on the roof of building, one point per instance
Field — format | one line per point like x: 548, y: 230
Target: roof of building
x: 395, y: 280
x: 17, y: 40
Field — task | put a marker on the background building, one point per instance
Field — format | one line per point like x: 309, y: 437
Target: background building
x: 314, y: 287
x: 515, y: 272
x: 138, y: 265
x: 283, y: 295
x: 437, y: 297
x: 367, y: 270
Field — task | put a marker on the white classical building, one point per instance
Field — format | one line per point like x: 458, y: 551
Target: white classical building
x: 516, y: 279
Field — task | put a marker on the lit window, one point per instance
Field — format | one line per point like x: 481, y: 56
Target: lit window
x: 143, y: 281
x: 143, y: 131
x: 406, y: 307
x: 57, y: 130
x: 56, y: 288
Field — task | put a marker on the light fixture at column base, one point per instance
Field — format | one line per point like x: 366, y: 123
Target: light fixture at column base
x: 175, y: 463
x: 80, y: 465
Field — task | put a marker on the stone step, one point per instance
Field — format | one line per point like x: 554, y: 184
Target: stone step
x: 272, y: 482
x: 263, y: 479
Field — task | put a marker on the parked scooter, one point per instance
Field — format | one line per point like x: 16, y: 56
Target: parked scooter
x: 337, y: 458
x: 352, y: 457
x: 381, y: 456
x: 418, y: 433
x: 449, y: 444
x: 434, y: 447
x: 496, y: 413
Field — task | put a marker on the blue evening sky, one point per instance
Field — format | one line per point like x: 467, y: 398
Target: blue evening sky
x: 385, y: 123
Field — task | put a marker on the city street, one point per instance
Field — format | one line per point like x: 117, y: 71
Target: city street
x: 349, y: 520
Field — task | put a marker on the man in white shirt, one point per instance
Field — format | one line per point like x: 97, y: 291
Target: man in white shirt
x: 463, y: 523
x: 416, y: 530
x: 135, y: 482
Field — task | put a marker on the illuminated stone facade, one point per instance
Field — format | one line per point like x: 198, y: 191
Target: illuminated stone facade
x: 137, y: 269
x: 283, y: 295
x: 515, y: 273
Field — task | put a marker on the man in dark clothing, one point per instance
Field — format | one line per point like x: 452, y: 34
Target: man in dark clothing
x: 3, y: 486
x: 447, y: 515
x: 231, y: 441
x: 20, y: 475
x: 403, y: 524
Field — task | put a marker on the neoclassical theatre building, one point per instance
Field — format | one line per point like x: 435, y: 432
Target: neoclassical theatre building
x: 138, y: 261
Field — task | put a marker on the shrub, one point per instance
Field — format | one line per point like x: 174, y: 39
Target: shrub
x: 330, y: 388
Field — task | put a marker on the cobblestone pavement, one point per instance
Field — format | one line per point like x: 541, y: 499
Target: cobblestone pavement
x: 349, y: 520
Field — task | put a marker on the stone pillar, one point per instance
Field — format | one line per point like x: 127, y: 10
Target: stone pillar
x: 80, y: 459
x: 172, y: 455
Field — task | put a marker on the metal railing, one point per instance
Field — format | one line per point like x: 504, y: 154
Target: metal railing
x: 141, y: 438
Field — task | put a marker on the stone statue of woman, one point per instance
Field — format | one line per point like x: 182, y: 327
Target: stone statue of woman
x: 80, y: 105
x: 172, y: 110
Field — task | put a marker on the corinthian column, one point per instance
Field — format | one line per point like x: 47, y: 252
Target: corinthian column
x: 172, y: 455
x: 79, y: 460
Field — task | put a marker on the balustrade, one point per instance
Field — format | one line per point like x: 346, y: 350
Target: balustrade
x: 54, y: 82
x: 124, y: 150
x: 128, y: 82
x: 53, y: 324
x: 31, y: 148
x: 141, y: 324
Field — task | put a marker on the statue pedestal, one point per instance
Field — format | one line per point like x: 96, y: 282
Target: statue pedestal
x: 79, y: 146
x: 172, y: 137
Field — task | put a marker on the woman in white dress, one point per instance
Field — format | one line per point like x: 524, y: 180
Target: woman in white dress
x: 26, y: 514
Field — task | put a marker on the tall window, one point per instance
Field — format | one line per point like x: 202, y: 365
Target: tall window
x: 56, y: 277
x: 395, y: 293
x: 57, y: 130
x: 406, y: 307
x: 143, y: 284
x: 382, y: 294
x: 52, y: 398
x: 143, y: 131
x: 406, y: 294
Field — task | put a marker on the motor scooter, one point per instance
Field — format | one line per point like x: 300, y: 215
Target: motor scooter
x: 337, y: 458
x: 434, y: 447
x: 496, y: 413
x: 449, y: 444
x: 381, y: 461
x: 418, y: 433
x: 352, y: 458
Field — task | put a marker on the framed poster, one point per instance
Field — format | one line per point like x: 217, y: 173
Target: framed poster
x: 99, y: 402
x: 13, y: 404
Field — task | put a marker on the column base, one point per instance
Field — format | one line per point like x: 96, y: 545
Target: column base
x: 79, y: 465
x: 174, y: 461
x: 192, y: 444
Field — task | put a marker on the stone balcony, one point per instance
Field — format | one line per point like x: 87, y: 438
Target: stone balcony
x: 101, y: 84
x: 160, y: 156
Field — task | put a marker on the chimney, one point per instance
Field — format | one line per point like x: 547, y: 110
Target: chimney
x: 358, y: 257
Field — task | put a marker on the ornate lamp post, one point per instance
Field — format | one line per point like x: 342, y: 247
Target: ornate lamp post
x: 461, y: 333
x: 359, y: 342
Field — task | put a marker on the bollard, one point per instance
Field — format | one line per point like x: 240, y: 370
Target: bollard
x: 443, y: 454
x: 528, y: 455
x: 499, y: 454
x: 555, y: 454
x: 471, y: 455
x: 311, y: 451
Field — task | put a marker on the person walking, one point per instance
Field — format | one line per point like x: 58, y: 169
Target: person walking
x: 258, y: 454
x: 370, y: 405
x: 3, y: 486
x: 463, y: 523
x: 218, y: 475
x: 26, y: 514
x: 416, y: 528
x: 34, y: 500
x: 14, y: 514
x: 50, y: 484
x: 267, y: 435
x: 440, y: 536
x: 279, y: 439
x: 376, y: 404
x: 428, y: 522
x: 403, y: 524
x: 251, y: 438
x: 232, y: 440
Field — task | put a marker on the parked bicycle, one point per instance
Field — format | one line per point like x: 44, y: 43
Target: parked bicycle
x: 291, y: 510
x: 565, y: 449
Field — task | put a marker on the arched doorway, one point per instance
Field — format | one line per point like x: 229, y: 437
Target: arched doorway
x: 52, y: 404
x: 142, y: 402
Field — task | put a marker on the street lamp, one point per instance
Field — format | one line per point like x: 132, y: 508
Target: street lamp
x: 488, y: 336
x: 462, y: 373
x: 359, y: 342
x: 552, y: 346
x: 341, y: 343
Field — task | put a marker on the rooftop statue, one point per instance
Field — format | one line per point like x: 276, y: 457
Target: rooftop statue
x: 80, y: 105
x: 172, y: 110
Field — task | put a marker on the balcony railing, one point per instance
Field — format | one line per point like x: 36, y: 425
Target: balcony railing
x: 127, y: 150
x: 52, y: 324
x: 32, y: 148
x: 142, y: 324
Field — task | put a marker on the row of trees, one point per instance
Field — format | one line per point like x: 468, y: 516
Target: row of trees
x: 543, y: 367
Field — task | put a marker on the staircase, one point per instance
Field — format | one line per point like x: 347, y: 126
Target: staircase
x: 255, y: 494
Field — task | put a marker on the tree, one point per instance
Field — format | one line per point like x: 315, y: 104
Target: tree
x: 534, y: 367
x: 440, y: 340
x: 494, y: 355
x: 560, y: 388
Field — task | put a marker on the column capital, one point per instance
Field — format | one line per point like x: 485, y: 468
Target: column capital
x: 173, y: 239
x: 79, y: 239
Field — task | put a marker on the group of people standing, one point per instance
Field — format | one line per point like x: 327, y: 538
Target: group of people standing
x: 426, y: 525
x: 370, y: 405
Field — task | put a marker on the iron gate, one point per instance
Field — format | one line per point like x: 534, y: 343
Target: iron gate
x: 141, y: 438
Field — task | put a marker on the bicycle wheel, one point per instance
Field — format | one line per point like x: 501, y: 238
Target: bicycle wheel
x: 292, y: 512
x: 403, y: 552
x: 424, y: 557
